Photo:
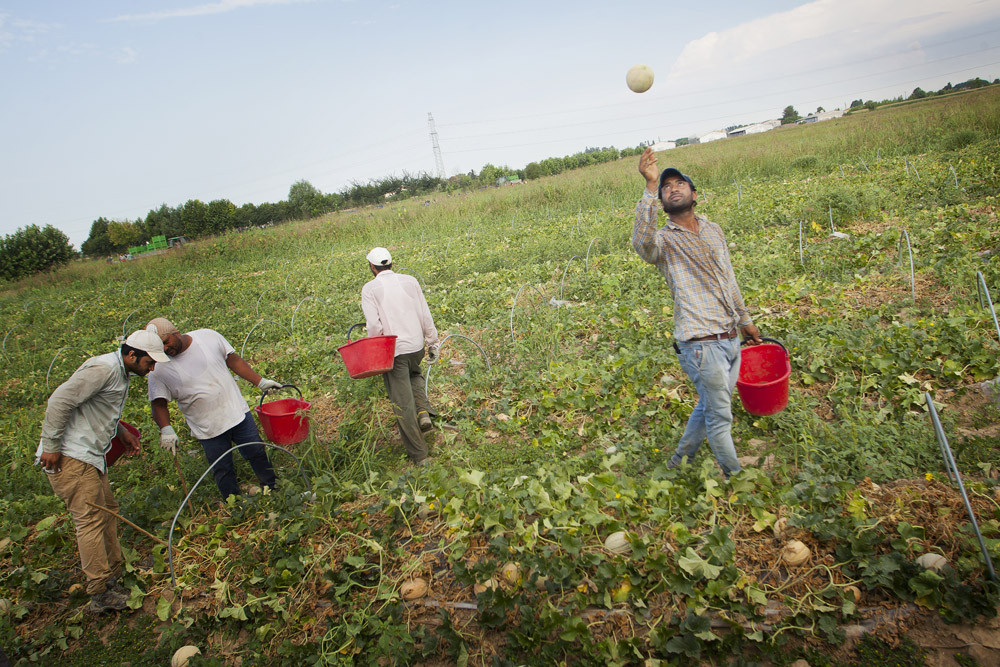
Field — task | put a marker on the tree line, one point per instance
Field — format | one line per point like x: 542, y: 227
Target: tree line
x: 32, y: 249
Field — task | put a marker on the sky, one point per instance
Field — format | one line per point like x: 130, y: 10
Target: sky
x: 111, y: 107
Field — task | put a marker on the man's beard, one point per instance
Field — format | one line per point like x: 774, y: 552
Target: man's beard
x: 678, y: 207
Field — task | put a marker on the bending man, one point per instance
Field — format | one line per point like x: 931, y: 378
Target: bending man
x: 692, y: 255
x: 81, y: 419
x: 218, y: 416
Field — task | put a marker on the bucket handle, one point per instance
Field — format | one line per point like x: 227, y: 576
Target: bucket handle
x: 264, y: 393
x: 353, y: 327
x: 769, y: 340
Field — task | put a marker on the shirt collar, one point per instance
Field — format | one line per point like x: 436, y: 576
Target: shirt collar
x: 697, y: 216
x: 121, y: 363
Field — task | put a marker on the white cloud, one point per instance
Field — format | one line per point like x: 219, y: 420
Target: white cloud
x: 827, y: 31
x: 14, y: 31
x: 220, y: 7
x: 126, y: 55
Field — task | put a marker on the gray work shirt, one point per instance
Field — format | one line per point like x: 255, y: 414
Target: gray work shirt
x: 83, y: 412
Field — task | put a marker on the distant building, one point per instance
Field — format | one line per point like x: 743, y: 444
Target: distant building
x: 663, y: 146
x: 756, y: 128
x: 823, y: 115
x: 714, y: 135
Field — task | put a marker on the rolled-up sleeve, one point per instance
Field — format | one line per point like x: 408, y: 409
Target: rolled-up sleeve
x: 78, y: 389
x: 644, y: 230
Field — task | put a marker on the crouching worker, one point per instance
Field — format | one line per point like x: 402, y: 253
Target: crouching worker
x: 81, y: 419
x: 199, y: 379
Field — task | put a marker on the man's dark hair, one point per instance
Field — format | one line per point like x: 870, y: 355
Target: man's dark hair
x: 139, y: 354
x: 379, y: 268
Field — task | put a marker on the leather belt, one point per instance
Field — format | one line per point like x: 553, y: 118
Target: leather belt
x: 721, y: 336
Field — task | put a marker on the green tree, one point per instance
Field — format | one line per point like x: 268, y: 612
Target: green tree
x: 31, y: 250
x: 305, y: 200
x: 917, y: 94
x: 533, y: 170
x: 123, y: 234
x: 98, y: 244
x: 789, y: 115
x: 194, y: 217
x: 871, y: 105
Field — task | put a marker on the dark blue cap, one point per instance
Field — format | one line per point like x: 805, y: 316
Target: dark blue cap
x: 670, y: 171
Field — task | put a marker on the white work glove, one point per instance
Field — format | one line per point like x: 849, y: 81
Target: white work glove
x: 267, y: 385
x: 168, y: 439
x: 433, y: 353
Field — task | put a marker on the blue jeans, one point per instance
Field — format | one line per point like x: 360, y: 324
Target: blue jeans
x: 713, y: 366
x: 256, y: 455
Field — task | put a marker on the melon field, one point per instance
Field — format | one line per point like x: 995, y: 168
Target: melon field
x: 547, y: 528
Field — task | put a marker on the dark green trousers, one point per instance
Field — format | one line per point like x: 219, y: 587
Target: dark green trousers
x: 405, y: 386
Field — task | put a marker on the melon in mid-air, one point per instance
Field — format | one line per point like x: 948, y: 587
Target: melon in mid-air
x: 639, y: 78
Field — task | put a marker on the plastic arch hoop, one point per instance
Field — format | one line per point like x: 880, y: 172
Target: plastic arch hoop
x: 173, y: 524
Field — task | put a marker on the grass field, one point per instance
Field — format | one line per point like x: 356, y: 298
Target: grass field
x: 559, y: 422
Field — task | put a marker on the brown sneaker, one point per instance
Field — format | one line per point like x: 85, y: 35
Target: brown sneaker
x: 109, y: 600
x: 424, y: 420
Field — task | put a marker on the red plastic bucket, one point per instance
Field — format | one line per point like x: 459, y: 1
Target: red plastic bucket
x: 117, y: 446
x: 369, y: 356
x: 281, y: 420
x: 763, y: 380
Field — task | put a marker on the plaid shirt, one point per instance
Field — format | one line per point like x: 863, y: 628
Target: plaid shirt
x: 698, y: 270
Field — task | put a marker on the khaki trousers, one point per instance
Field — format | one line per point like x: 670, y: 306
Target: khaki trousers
x: 96, y: 532
x: 405, y: 386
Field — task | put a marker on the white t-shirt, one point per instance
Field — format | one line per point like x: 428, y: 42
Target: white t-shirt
x: 199, y: 380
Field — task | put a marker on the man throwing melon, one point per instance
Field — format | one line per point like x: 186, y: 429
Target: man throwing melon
x: 691, y: 253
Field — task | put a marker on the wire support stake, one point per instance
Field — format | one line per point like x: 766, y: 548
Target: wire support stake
x: 427, y: 377
x: 563, y: 280
x: 291, y: 327
x: 262, y: 321
x: 586, y: 261
x: 982, y: 290
x: 125, y: 323
x: 261, y: 296
x: 173, y: 524
x: 899, y: 261
x: 802, y: 262
x: 4, y: 345
x: 513, y: 305
x: 953, y: 175
x: 52, y: 363
x: 423, y: 283
x: 864, y: 165
x: 841, y: 170
x: 955, y: 476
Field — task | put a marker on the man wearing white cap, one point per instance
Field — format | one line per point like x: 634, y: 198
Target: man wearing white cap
x: 81, y: 419
x: 394, y: 304
x: 199, y: 379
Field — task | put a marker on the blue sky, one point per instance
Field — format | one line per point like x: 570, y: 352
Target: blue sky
x: 111, y: 108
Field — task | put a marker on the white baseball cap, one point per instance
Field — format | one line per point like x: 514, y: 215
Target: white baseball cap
x: 148, y: 342
x: 379, y: 257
